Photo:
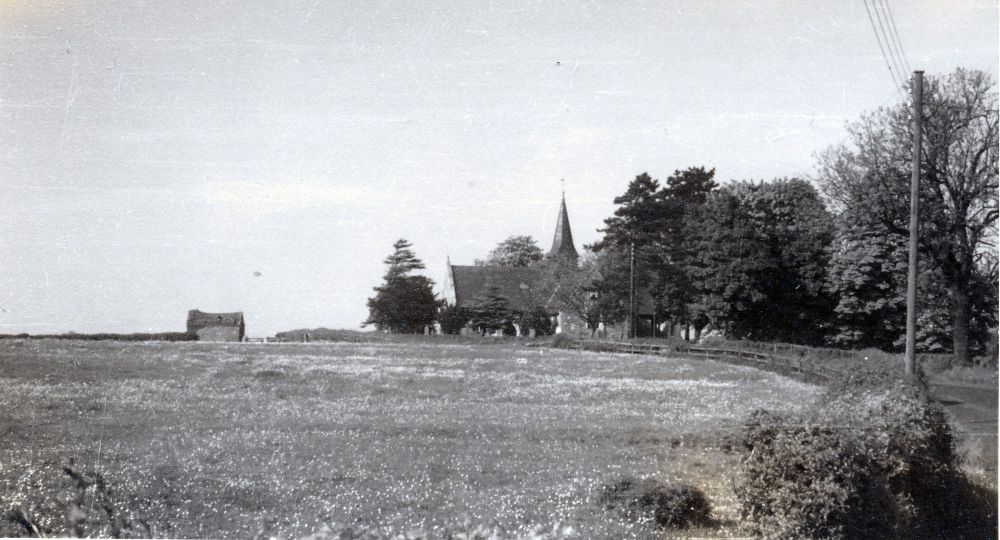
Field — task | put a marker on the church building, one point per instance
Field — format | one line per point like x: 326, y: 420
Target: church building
x: 521, y: 286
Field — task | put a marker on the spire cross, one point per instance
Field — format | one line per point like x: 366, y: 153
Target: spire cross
x: 562, y: 182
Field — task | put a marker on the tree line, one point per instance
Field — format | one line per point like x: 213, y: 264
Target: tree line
x: 816, y: 261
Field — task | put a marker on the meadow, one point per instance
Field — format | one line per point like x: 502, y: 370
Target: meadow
x: 294, y: 440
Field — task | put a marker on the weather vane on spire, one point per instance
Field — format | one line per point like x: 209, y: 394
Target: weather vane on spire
x: 562, y: 183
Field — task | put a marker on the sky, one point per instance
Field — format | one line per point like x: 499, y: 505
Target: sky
x: 263, y: 156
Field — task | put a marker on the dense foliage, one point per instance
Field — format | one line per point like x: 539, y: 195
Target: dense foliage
x: 536, y: 319
x: 453, y: 319
x: 868, y: 180
x: 404, y: 303
x: 760, y: 256
x: 750, y: 258
x: 650, y: 227
x: 514, y: 251
x: 867, y: 276
x: 786, y: 261
x: 490, y: 310
x: 874, y: 460
x: 671, y: 506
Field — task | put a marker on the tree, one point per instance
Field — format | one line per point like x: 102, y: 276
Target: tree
x: 596, y: 290
x: 514, y: 251
x: 634, y: 232
x: 609, y: 286
x: 404, y: 303
x: 651, y: 223
x: 760, y: 253
x: 867, y: 276
x: 869, y: 178
x: 490, y: 310
x: 638, y: 218
x: 684, y: 193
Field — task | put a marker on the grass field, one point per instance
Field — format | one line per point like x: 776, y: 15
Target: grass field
x: 242, y: 441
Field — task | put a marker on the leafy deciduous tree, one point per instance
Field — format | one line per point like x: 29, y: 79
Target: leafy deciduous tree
x: 869, y: 177
x: 760, y: 253
x: 514, y: 251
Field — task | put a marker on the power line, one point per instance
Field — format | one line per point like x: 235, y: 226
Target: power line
x: 895, y: 33
x: 895, y: 56
x: 885, y: 57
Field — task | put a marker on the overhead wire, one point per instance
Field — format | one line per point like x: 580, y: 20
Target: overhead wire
x: 897, y: 61
x: 895, y: 34
x: 878, y: 38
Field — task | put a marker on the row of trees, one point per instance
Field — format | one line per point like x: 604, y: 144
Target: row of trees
x: 819, y: 261
x: 786, y: 261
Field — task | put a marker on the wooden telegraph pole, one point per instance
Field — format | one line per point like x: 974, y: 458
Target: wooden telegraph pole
x: 911, y: 276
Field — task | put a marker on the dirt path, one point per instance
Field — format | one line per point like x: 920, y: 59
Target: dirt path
x: 974, y: 409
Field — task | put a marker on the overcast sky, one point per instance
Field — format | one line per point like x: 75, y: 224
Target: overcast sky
x: 263, y: 156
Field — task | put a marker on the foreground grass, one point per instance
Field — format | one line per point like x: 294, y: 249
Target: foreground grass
x: 241, y: 441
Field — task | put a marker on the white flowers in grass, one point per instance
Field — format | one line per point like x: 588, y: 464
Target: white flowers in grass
x: 387, y: 437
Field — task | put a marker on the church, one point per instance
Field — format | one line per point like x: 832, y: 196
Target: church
x: 522, y: 285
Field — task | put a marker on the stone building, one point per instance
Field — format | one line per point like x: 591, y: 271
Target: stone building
x: 216, y: 326
x: 522, y: 286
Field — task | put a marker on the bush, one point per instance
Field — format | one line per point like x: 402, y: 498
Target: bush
x: 670, y: 506
x: 871, y: 462
x: 538, y: 320
x: 864, y: 378
x: 453, y: 319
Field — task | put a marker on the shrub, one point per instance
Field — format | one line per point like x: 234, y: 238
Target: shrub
x: 538, y: 320
x: 862, y: 379
x: 871, y: 462
x: 453, y: 319
x: 670, y: 506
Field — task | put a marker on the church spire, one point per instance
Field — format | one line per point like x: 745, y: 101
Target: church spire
x: 562, y: 243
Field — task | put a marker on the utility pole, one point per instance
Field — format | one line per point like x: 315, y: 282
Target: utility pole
x: 911, y: 275
x: 631, y: 290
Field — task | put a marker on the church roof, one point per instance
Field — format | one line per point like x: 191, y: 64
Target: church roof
x: 562, y: 242
x: 519, y: 285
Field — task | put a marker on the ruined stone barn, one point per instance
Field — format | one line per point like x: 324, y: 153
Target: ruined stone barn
x: 216, y: 326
